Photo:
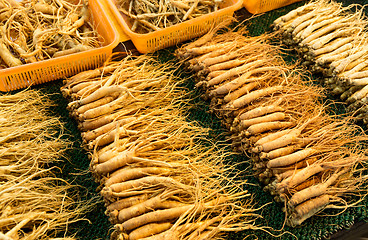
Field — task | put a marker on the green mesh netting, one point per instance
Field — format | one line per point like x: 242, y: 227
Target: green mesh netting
x: 75, y: 165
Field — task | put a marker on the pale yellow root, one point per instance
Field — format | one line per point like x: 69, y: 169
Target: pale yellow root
x: 299, y: 177
x: 272, y: 136
x: 252, y: 96
x: 97, y: 103
x: 282, y: 141
x: 147, y: 206
x: 267, y: 126
x: 8, y: 57
x: 122, y: 175
x: 125, y: 203
x: 279, y: 152
x: 164, y: 215
x: 114, y: 163
x: 150, y: 229
x: 240, y: 92
x: 291, y: 158
x: 91, y: 135
x: 144, y: 182
x: 314, y: 191
x: 100, y: 93
x: 308, y: 209
x: 260, y: 111
x: 278, y: 116
x: 104, y: 109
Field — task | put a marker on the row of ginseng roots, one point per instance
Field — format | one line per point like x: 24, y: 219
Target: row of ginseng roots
x: 34, y: 204
x: 158, y: 176
x: 307, y: 158
x: 332, y: 40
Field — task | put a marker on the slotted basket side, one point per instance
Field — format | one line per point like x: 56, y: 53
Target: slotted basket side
x: 25, y: 77
x: 56, y: 68
x: 170, y: 36
x: 177, y: 36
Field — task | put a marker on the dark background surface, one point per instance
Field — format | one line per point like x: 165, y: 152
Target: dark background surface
x: 330, y: 224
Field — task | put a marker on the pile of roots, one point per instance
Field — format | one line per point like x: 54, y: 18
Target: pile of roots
x: 148, y: 16
x: 332, y: 40
x: 156, y: 176
x: 306, y: 158
x: 35, y: 30
x: 34, y: 204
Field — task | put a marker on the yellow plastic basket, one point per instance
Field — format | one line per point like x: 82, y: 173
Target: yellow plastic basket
x: 261, y: 6
x: 56, y: 68
x: 170, y: 36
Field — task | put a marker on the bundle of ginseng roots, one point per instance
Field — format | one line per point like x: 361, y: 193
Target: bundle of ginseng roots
x: 36, y: 30
x: 34, y: 204
x: 158, y: 179
x: 332, y: 40
x: 148, y: 15
x: 305, y: 157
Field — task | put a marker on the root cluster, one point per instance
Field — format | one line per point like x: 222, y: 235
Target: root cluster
x: 305, y: 157
x: 157, y: 178
x: 332, y: 40
x: 35, y: 30
x: 33, y: 203
x: 148, y: 16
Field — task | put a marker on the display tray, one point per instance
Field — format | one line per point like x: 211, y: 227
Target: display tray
x: 349, y: 224
x: 26, y: 75
x: 170, y: 36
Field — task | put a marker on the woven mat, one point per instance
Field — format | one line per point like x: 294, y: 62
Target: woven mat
x: 74, y: 168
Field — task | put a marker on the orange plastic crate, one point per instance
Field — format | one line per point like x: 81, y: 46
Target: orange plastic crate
x: 261, y: 6
x: 170, y: 36
x: 56, y: 68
